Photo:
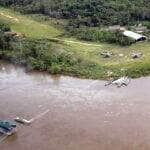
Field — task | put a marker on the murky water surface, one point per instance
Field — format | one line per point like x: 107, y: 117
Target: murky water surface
x: 74, y: 114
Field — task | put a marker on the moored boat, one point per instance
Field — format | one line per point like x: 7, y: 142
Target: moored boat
x: 123, y: 81
x: 7, y: 127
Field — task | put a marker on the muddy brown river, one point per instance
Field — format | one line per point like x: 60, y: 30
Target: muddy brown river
x: 74, y: 114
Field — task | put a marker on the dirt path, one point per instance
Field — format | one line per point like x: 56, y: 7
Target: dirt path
x: 61, y: 40
x: 77, y: 42
x: 82, y: 43
x: 10, y: 17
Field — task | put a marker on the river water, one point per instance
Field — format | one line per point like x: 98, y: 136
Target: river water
x: 74, y: 114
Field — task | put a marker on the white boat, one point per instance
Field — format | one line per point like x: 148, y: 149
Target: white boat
x: 22, y: 121
x: 123, y: 81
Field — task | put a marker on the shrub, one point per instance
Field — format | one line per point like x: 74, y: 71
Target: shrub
x: 147, y: 24
x: 96, y: 35
x: 4, y: 27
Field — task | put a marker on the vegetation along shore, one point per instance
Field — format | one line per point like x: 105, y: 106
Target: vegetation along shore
x: 76, y: 43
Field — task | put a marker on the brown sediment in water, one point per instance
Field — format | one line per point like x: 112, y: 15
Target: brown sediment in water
x: 74, y: 114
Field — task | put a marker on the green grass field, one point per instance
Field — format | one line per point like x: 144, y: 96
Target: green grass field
x: 27, y: 26
x: 89, y: 52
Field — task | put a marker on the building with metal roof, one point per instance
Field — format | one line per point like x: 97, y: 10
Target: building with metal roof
x: 134, y: 36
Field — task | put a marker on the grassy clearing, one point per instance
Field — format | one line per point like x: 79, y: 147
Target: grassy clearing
x: 27, y: 26
x: 121, y: 55
x: 92, y: 64
x: 121, y: 63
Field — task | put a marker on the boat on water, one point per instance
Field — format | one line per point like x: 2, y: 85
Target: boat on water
x: 7, y: 127
x: 123, y: 81
x: 22, y: 121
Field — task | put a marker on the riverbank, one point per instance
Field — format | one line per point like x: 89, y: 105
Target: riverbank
x: 43, y: 48
x: 63, y: 59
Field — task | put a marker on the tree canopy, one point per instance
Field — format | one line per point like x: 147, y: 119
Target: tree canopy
x: 87, y: 12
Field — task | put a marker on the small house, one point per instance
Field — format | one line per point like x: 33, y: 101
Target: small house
x: 134, y: 36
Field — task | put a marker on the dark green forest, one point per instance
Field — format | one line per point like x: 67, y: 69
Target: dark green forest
x: 87, y: 12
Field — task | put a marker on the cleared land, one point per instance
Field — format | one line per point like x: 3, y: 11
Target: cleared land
x: 28, y: 26
x: 90, y: 52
